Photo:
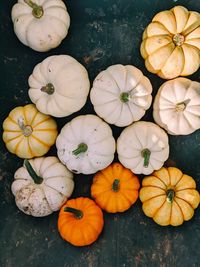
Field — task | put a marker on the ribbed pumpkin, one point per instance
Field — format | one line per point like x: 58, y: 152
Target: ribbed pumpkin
x: 115, y: 188
x: 80, y: 221
x: 29, y: 133
x: 169, y: 196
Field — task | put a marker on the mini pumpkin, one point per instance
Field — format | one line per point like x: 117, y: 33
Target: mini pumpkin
x: 115, y: 188
x: 40, y: 24
x: 169, y: 196
x: 121, y: 94
x: 143, y: 147
x: 42, y: 186
x: 86, y: 145
x: 29, y: 133
x: 59, y: 86
x: 176, y: 106
x: 171, y: 43
x: 80, y: 221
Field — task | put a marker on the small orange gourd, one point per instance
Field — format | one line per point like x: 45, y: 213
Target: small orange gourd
x: 80, y: 221
x: 115, y: 188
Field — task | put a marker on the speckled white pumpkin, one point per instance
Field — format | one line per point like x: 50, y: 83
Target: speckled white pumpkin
x: 121, y: 94
x: 40, y: 24
x: 59, y: 86
x: 86, y: 145
x: 143, y: 147
x: 177, y: 106
x: 42, y: 186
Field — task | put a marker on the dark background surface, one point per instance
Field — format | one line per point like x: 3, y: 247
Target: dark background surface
x: 102, y: 33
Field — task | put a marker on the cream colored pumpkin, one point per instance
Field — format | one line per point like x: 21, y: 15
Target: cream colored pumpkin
x: 121, y: 94
x: 59, y: 86
x: 177, y: 106
x: 42, y: 186
x: 86, y: 145
x: 40, y: 24
x: 29, y: 133
x: 143, y: 147
x: 171, y: 43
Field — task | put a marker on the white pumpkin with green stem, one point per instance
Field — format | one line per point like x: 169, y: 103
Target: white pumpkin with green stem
x: 121, y: 94
x: 59, y: 86
x: 42, y: 186
x: 143, y: 147
x: 40, y: 24
x: 86, y: 145
x: 177, y: 106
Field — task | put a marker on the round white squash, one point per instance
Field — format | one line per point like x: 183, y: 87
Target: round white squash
x: 143, y: 147
x: 40, y: 24
x: 42, y: 186
x: 86, y: 145
x: 121, y: 94
x: 59, y: 86
x: 177, y: 106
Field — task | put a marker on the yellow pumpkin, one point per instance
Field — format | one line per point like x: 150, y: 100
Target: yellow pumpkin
x: 169, y: 196
x: 29, y: 133
x: 171, y: 43
x: 115, y: 188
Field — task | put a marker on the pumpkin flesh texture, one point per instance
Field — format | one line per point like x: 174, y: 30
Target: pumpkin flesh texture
x: 176, y: 106
x: 43, y: 33
x: 96, y: 134
x: 42, y: 134
x: 171, y: 43
x: 83, y: 231
x: 121, y: 94
x: 154, y: 196
x: 107, y: 197
x: 69, y: 80
x: 42, y: 199
x: 135, y: 139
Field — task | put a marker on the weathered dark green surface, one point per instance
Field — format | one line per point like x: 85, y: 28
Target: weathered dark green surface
x: 103, y: 32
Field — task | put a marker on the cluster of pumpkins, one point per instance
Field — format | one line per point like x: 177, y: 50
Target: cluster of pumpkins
x: 59, y: 86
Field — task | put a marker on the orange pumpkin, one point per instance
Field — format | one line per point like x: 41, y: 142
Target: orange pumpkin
x: 80, y: 221
x: 115, y: 188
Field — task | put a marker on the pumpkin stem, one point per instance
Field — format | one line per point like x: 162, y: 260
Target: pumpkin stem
x: 78, y: 214
x: 178, y: 39
x: 80, y: 149
x: 49, y: 89
x: 36, y: 178
x: 26, y: 129
x: 125, y: 97
x: 115, y: 185
x: 170, y: 195
x: 37, y: 10
x: 146, y: 153
x: 182, y: 105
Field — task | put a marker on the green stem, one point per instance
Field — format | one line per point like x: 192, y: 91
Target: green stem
x: 78, y: 214
x: 170, y: 195
x: 125, y: 97
x: 37, y: 179
x: 182, y: 105
x: 37, y: 10
x: 146, y: 153
x: 80, y: 149
x: 115, y: 185
x: 49, y: 89
x: 178, y: 39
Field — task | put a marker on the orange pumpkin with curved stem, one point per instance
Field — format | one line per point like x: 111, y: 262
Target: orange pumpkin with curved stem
x: 80, y: 221
x: 115, y: 188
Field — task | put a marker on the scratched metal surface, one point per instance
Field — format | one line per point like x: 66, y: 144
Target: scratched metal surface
x: 102, y: 32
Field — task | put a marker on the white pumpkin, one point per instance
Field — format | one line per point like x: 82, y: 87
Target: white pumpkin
x: 177, y: 106
x: 59, y: 86
x: 40, y: 24
x: 143, y: 147
x: 86, y: 145
x: 42, y: 186
x: 121, y: 94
